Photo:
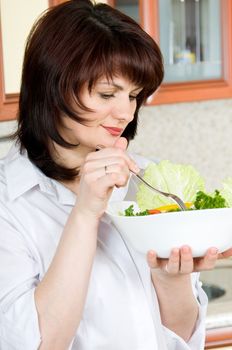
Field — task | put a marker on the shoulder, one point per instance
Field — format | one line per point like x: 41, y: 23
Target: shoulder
x: 17, y: 173
x: 3, y: 181
x: 6, y: 163
x: 3, y: 196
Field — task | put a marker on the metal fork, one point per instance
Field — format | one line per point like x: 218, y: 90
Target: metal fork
x: 176, y: 199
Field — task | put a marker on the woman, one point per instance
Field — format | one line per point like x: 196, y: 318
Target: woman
x: 68, y: 280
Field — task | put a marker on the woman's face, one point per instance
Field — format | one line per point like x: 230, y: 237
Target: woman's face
x: 113, y: 104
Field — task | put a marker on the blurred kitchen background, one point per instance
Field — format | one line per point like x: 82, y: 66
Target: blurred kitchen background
x: 189, y: 120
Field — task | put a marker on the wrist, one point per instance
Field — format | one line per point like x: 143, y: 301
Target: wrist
x: 86, y: 215
x: 80, y: 224
x: 166, y: 279
x: 85, y: 212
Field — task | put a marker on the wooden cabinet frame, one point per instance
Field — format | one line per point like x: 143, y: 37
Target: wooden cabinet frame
x: 218, y: 337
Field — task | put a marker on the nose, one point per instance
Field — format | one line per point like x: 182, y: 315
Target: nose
x: 124, y: 110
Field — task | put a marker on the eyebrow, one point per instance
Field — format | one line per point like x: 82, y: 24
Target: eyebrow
x: 119, y: 87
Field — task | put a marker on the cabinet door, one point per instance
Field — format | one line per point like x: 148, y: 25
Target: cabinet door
x: 190, y: 39
x: 195, y: 37
x: 17, y: 18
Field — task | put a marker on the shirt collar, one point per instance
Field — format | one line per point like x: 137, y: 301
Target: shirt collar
x: 22, y: 175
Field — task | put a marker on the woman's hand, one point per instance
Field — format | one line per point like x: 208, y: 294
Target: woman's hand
x: 225, y: 254
x: 182, y: 262
x: 100, y: 172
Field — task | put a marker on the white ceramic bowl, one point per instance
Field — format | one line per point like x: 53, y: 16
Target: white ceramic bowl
x: 200, y: 229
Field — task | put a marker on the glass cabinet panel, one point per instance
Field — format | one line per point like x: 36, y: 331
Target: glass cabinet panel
x: 129, y: 7
x: 190, y: 39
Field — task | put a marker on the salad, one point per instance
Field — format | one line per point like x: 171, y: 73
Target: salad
x: 185, y: 182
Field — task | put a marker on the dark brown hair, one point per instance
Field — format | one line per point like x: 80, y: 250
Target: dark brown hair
x: 72, y: 44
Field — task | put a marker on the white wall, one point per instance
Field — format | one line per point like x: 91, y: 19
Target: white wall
x: 198, y: 133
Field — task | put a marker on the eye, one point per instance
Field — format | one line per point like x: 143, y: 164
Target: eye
x: 132, y: 97
x: 106, y: 96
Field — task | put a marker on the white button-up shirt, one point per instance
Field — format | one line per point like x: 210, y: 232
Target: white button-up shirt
x: 121, y: 310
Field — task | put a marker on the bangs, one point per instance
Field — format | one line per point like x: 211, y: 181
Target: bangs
x: 136, y: 63
x: 111, y: 54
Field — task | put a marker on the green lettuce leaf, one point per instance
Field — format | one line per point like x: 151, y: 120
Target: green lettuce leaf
x: 182, y: 180
x: 210, y: 201
x: 226, y: 191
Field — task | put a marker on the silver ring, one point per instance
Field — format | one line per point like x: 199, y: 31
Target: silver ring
x: 99, y: 147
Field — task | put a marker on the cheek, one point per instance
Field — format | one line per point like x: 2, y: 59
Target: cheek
x: 70, y: 129
x: 133, y: 109
x: 95, y: 118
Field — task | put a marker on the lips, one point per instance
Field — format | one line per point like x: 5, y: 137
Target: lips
x: 113, y: 130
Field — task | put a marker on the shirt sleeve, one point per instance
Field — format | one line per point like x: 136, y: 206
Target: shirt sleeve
x: 19, y: 275
x: 197, y: 340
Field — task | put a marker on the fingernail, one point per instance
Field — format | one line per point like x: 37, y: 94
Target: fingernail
x: 136, y: 169
x: 151, y: 253
x: 185, y: 249
x: 214, y: 251
x: 175, y: 251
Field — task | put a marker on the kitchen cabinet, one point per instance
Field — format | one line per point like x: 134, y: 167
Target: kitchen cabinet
x: 219, y: 338
x: 195, y: 37
x: 223, y: 348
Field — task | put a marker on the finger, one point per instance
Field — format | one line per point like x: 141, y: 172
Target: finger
x: 105, y: 162
x: 208, y: 261
x: 119, y: 170
x: 117, y: 178
x: 152, y: 259
x: 173, y: 264
x: 186, y: 260
x: 111, y: 153
x: 226, y: 254
x: 121, y: 143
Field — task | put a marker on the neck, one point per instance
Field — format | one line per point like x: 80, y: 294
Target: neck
x: 70, y: 158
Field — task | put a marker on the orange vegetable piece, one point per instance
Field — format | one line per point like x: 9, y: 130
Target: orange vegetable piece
x: 154, y: 211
